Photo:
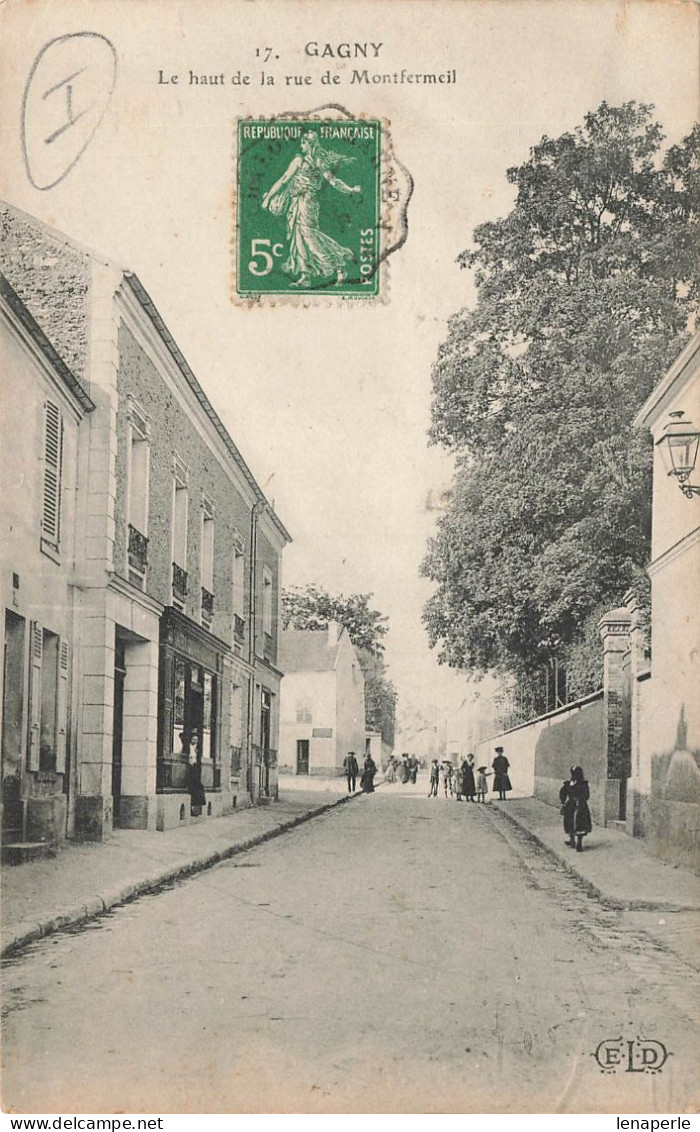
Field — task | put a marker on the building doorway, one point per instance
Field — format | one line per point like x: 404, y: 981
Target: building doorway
x: 12, y: 726
x: 302, y: 756
x: 118, y: 725
x: 265, y: 725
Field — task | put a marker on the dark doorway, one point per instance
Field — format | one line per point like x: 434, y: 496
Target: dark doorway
x: 12, y: 726
x: 118, y: 727
x: 265, y: 705
x: 302, y: 756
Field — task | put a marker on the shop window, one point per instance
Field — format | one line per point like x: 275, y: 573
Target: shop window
x: 194, y: 711
x: 208, y: 716
x: 180, y: 736
x: 53, y: 469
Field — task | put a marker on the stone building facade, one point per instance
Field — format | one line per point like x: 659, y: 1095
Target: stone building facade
x: 665, y: 780
x: 178, y: 563
x: 323, y: 705
x: 44, y: 414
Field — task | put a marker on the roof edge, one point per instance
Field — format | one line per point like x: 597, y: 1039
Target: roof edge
x: 44, y: 344
x: 662, y: 393
x: 61, y: 237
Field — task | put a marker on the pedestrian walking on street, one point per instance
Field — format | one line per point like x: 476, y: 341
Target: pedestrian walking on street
x: 447, y: 777
x: 458, y: 783
x: 434, y: 778
x: 574, y: 796
x: 351, y: 768
x: 468, y: 781
x: 368, y: 772
x: 482, y: 783
x: 413, y: 761
x: 391, y: 769
x: 501, y: 781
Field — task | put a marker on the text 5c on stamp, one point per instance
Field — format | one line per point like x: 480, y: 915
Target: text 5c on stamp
x: 308, y: 207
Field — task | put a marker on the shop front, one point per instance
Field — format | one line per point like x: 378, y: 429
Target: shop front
x: 190, y: 753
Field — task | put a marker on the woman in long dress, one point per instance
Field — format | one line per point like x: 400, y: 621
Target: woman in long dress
x: 468, y: 781
x: 312, y: 253
x: 501, y: 781
x: 368, y: 772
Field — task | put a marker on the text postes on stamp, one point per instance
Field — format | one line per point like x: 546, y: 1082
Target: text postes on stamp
x: 308, y: 207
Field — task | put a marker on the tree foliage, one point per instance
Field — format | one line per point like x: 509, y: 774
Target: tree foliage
x: 312, y: 607
x: 584, y: 293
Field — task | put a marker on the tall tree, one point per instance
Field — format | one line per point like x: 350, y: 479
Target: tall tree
x: 312, y: 607
x: 584, y: 293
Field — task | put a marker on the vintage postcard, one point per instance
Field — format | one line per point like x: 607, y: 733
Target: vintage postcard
x: 350, y: 738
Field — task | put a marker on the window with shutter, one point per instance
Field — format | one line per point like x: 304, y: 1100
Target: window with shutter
x: 53, y: 459
x: 62, y: 708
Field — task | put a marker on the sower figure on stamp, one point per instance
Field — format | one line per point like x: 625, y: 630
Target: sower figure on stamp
x: 312, y: 253
x: 352, y: 769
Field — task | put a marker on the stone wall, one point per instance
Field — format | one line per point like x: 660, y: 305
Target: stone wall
x: 576, y: 737
x: 52, y: 278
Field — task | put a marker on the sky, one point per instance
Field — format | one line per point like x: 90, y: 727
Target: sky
x: 330, y: 402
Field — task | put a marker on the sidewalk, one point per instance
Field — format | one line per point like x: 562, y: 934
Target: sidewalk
x: 616, y: 867
x: 85, y: 880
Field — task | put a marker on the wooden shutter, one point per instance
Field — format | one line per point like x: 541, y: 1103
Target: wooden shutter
x: 36, y: 647
x: 62, y: 707
x: 53, y: 458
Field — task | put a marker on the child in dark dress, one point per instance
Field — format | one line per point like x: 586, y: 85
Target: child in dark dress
x: 574, y: 796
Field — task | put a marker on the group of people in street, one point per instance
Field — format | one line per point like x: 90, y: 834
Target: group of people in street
x: 352, y: 769
x: 404, y: 769
x: 468, y: 781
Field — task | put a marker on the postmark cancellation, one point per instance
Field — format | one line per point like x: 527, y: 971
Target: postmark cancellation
x: 320, y: 204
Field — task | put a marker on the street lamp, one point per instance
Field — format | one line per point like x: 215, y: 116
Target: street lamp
x: 678, y: 446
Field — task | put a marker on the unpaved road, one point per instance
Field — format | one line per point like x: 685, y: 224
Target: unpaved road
x: 399, y: 954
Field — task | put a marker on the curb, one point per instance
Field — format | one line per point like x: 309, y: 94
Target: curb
x: 29, y: 931
x: 615, y: 902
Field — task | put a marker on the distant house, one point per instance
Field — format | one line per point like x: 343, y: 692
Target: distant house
x: 375, y: 746
x: 322, y: 711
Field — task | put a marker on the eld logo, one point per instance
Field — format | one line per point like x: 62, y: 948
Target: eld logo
x: 642, y: 1055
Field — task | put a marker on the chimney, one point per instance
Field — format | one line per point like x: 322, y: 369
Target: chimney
x: 334, y: 631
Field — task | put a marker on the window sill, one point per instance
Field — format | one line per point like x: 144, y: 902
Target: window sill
x: 50, y: 551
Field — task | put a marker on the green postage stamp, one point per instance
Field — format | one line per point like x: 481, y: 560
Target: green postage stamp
x: 309, y: 198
